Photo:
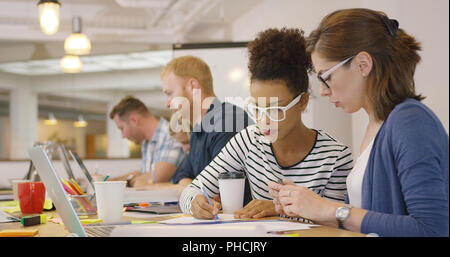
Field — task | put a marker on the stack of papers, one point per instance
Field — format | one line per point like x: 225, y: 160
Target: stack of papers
x: 270, y: 226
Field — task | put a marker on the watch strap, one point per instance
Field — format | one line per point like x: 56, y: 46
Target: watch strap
x: 341, y: 221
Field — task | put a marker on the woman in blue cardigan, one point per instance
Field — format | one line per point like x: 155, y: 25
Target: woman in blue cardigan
x: 399, y: 184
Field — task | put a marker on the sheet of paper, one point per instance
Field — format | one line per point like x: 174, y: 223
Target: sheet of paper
x: 281, y: 226
x: 192, y: 220
x: 140, y: 215
x: 269, y: 225
x: 5, y: 217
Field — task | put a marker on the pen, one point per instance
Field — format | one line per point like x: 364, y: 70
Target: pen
x: 154, y: 173
x: 107, y: 176
x: 207, y: 197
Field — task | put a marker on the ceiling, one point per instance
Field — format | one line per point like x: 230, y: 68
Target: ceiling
x: 96, y: 63
x: 125, y: 35
x: 125, y: 21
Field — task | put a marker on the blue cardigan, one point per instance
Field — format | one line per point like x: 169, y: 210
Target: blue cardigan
x: 405, y: 185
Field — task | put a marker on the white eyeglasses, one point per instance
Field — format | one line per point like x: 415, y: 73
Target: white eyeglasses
x: 325, y: 76
x: 276, y: 113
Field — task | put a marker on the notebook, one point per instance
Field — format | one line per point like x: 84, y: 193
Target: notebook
x: 159, y: 209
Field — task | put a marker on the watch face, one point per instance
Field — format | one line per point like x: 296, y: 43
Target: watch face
x: 342, y: 213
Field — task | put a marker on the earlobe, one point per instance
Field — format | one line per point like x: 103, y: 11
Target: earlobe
x: 304, y: 101
x: 365, y: 63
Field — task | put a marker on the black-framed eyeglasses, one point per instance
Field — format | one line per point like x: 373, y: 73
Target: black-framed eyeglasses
x: 326, y: 75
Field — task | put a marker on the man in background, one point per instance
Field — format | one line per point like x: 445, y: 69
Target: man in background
x: 187, y: 83
x: 161, y: 154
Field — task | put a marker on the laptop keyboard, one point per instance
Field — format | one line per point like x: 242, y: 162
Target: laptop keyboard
x: 98, y: 231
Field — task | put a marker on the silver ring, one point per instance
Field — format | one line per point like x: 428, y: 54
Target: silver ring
x: 289, y: 193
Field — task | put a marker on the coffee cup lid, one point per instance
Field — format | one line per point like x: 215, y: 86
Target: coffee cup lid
x: 231, y: 175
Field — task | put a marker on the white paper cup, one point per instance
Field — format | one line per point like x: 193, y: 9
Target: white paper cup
x: 15, y: 184
x: 231, y: 187
x: 109, y: 198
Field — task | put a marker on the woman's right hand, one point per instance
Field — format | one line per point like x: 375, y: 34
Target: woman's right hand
x: 201, y: 209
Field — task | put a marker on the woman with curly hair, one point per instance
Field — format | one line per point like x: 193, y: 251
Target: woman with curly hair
x: 279, y: 146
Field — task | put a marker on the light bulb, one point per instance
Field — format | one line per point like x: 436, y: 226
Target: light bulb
x: 71, y: 64
x: 49, y: 16
x: 80, y: 123
x: 77, y: 44
x: 51, y: 120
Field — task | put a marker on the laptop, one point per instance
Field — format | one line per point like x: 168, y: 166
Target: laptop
x: 54, y: 188
x: 70, y: 219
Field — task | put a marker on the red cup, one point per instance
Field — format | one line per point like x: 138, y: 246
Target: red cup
x: 31, y: 197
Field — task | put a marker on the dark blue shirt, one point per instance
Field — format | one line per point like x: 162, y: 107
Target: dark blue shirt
x: 218, y: 126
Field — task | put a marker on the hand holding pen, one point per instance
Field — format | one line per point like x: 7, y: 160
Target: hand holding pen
x: 202, y: 207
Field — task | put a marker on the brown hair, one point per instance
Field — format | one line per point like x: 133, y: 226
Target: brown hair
x: 345, y: 33
x: 190, y: 66
x: 127, y: 105
x: 280, y: 55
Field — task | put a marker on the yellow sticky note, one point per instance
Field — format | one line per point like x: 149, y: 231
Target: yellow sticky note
x: 142, y: 221
x: 48, y: 204
x: 292, y: 234
x: 90, y: 221
x: 9, y: 203
x: 11, y: 209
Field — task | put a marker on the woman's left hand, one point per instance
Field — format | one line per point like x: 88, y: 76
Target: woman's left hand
x: 256, y: 209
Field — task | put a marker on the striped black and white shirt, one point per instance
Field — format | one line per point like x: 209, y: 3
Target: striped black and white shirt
x: 324, y: 170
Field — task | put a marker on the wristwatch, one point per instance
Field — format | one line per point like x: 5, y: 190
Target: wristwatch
x: 342, y: 214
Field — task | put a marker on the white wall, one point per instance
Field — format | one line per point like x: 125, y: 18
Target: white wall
x: 425, y: 20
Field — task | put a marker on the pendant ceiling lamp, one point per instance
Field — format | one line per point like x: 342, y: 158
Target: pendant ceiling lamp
x: 71, y: 64
x: 80, y: 123
x: 77, y: 43
x: 49, y: 16
x: 51, y: 121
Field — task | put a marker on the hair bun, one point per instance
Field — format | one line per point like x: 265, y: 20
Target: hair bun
x: 391, y: 25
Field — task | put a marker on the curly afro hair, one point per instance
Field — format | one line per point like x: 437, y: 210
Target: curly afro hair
x: 280, y: 55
